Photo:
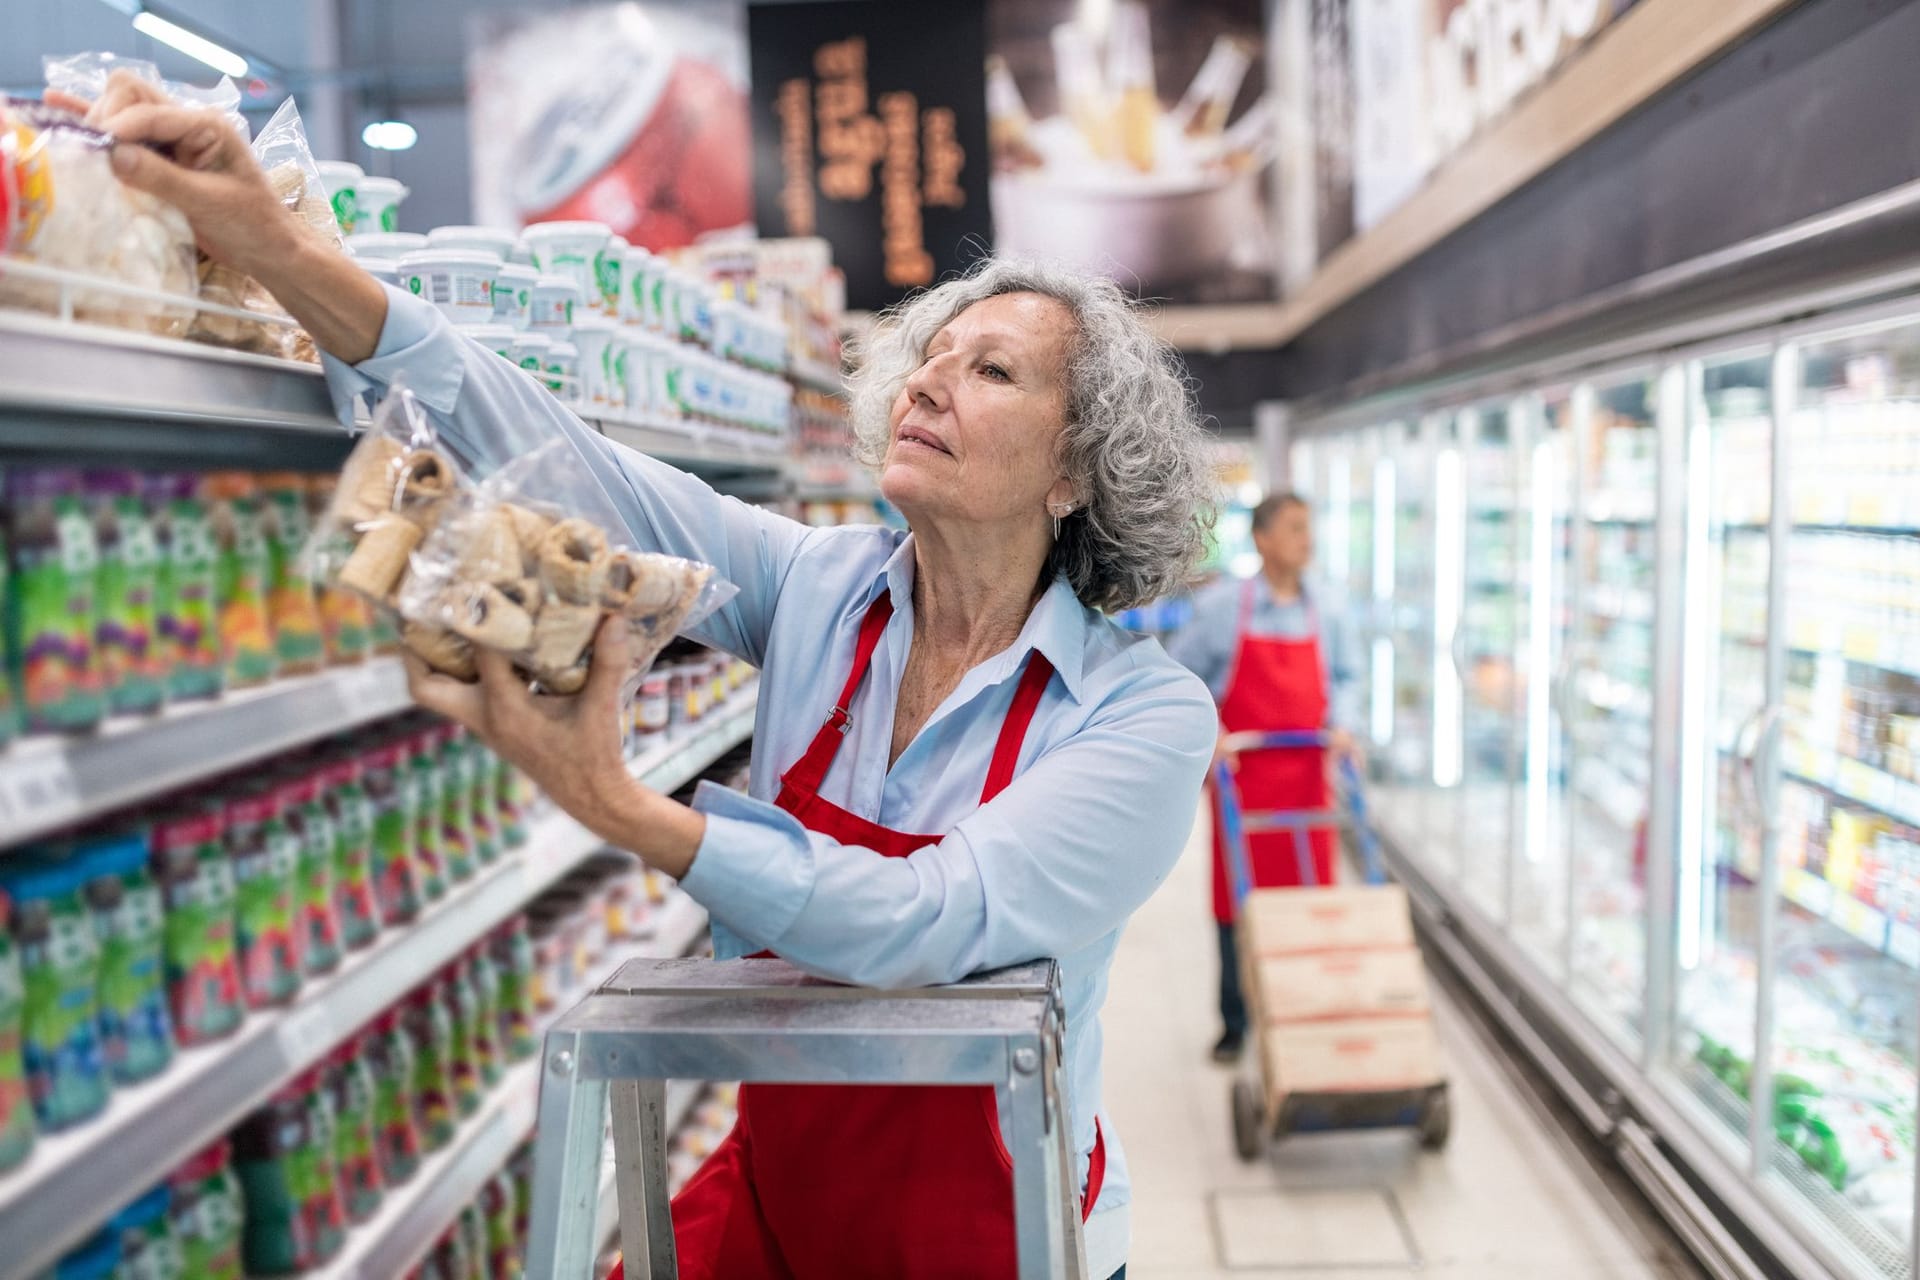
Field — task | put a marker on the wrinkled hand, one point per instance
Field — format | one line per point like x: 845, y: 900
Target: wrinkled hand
x: 569, y: 746
x: 202, y: 166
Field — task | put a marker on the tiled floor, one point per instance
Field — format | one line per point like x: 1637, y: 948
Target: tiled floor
x: 1511, y: 1197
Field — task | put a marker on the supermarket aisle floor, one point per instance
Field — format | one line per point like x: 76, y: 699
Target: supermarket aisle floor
x: 1512, y: 1196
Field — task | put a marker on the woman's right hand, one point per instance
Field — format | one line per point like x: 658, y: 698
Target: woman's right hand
x: 203, y: 167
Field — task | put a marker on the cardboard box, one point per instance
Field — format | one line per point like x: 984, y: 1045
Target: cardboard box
x: 1354, y: 1055
x: 1334, y: 984
x: 1350, y: 918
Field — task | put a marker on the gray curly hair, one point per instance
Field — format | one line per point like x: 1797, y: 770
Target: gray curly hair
x: 1133, y: 447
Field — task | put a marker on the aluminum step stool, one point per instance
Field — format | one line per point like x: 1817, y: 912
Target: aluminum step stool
x: 763, y: 1021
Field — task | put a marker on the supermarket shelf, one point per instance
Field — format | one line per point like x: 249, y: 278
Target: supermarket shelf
x: 692, y: 447
x: 108, y: 1161
x: 817, y: 376
x: 1864, y: 785
x: 52, y: 781
x: 1888, y: 648
x: 138, y: 396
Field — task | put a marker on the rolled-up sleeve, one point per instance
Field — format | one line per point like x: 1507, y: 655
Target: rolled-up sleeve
x: 491, y: 412
x: 1054, y: 863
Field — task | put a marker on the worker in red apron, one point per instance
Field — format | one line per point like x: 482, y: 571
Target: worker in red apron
x: 1275, y: 660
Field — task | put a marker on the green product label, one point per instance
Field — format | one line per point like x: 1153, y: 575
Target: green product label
x: 353, y: 869
x: 531, y: 364
x: 319, y: 908
x: 129, y: 603
x: 394, y: 1086
x: 277, y: 1239
x: 207, y: 1220
x: 316, y: 1176
x: 456, y: 809
x: 16, y: 1110
x: 356, y: 1150
x: 430, y: 847
x: 151, y: 1252
x: 52, y: 610
x: 133, y: 985
x: 59, y: 1022
x: 433, y: 1045
x: 245, y: 633
x: 190, y: 603
x: 606, y: 274
x: 466, y: 1044
x: 395, y: 877
x: 299, y: 637
x: 203, y: 973
x: 390, y: 218
x: 346, y: 209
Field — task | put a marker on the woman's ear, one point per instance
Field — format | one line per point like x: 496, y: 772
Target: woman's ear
x: 1061, y: 499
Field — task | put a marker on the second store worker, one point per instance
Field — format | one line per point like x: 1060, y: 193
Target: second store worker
x: 959, y: 762
x: 1276, y: 655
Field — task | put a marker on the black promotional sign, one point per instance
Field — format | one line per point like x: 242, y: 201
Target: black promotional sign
x: 870, y: 130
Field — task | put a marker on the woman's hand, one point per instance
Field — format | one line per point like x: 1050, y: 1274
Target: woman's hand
x: 569, y: 746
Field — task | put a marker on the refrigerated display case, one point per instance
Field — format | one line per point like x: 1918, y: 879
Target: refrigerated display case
x: 1648, y: 631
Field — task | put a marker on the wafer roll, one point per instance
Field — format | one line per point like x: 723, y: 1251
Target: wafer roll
x: 567, y: 682
x: 367, y: 486
x: 479, y: 611
x: 562, y: 633
x: 426, y: 479
x: 574, y: 560
x: 530, y: 527
x: 490, y: 550
x: 379, y: 559
x: 525, y: 592
x: 445, y: 652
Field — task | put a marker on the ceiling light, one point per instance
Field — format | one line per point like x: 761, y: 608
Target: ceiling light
x: 390, y: 135
x: 216, y: 56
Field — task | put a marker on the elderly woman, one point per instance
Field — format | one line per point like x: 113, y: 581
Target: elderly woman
x: 959, y: 762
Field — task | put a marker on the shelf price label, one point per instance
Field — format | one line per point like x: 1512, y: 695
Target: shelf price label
x: 307, y: 1033
x: 1810, y: 891
x: 1903, y: 943
x: 37, y: 791
x: 369, y: 685
x: 1862, y: 921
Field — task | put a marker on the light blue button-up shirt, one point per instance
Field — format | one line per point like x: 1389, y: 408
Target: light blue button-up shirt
x: 1207, y: 643
x: 1108, y: 780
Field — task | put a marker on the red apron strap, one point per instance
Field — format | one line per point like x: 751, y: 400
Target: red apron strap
x: 1013, y: 730
x: 1096, y: 1172
x: 810, y: 770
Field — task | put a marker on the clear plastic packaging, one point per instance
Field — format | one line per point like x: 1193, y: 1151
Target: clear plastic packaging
x: 62, y: 207
x: 527, y: 562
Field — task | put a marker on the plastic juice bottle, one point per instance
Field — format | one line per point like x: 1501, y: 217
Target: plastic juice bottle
x: 482, y: 773
x: 60, y: 965
x: 266, y: 868
x: 346, y: 623
x: 356, y: 1146
x: 511, y: 789
x: 52, y: 602
x: 455, y: 757
x: 317, y: 898
x: 462, y: 998
x: 388, y: 1050
x: 293, y: 607
x: 16, y: 1107
x: 126, y: 638
x: 354, y: 882
x: 429, y: 1022
x: 148, y: 1246
x: 395, y: 828
x: 202, y: 958
x: 521, y: 1167
x: 208, y: 1214
x: 245, y: 569
x: 512, y: 952
x: 189, y: 624
x: 317, y: 1168
x: 130, y: 919
x: 473, y: 1228
x: 9, y: 704
x: 280, y: 1235
x: 500, y: 1203
x: 430, y: 786
x: 489, y: 1049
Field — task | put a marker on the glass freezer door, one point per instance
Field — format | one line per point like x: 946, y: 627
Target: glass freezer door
x: 1847, y: 992
x: 1484, y: 651
x: 1720, y: 911
x: 1405, y: 490
x: 1612, y: 705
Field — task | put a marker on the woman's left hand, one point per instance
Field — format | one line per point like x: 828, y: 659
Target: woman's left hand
x: 569, y: 746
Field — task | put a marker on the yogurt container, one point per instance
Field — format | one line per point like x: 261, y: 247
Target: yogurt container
x: 553, y: 300
x: 497, y: 338
x: 494, y: 240
x: 638, y: 363
x: 594, y: 336
x: 385, y: 270
x: 563, y: 371
x: 636, y: 273
x: 610, y: 275
x: 577, y: 250
x: 379, y: 204
x: 458, y: 281
x: 389, y: 246
x: 513, y: 294
x: 342, y: 181
x: 530, y: 351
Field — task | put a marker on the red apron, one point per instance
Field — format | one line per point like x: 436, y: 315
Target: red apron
x: 888, y: 1182
x: 1274, y: 685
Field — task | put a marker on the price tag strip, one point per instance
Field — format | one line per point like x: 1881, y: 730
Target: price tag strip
x: 38, y: 790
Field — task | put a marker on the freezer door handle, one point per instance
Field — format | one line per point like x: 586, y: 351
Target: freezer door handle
x: 1755, y: 732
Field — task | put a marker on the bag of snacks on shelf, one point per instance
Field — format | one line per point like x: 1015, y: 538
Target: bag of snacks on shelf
x: 16, y: 1108
x: 61, y: 207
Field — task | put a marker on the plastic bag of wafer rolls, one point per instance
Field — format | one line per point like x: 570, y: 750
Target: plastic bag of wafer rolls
x: 529, y: 561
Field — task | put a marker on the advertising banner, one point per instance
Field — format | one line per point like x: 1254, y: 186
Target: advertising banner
x: 870, y: 131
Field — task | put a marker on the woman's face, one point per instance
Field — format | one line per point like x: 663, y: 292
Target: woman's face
x: 975, y: 429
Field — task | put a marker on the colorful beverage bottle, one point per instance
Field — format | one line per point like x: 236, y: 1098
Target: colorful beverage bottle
x: 148, y: 1245
x: 136, y: 1026
x: 388, y: 1050
x: 126, y: 637
x: 395, y: 801
x: 189, y: 624
x: 293, y: 606
x: 60, y: 967
x: 16, y: 1106
x: 195, y: 875
x: 266, y: 865
x: 430, y: 785
x: 454, y: 755
x: 208, y: 1213
x: 245, y: 569
x: 429, y: 1021
x: 356, y: 1143
x: 52, y: 604
x: 317, y: 897
x: 353, y: 870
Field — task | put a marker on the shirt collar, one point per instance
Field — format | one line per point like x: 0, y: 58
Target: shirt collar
x: 1057, y: 627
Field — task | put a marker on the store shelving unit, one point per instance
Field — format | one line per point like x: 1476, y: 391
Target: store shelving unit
x: 48, y: 782
x: 147, y: 1129
x: 1716, y: 847
x: 816, y: 376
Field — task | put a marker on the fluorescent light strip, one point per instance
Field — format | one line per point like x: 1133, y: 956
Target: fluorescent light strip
x: 1380, y: 720
x: 221, y: 59
x: 1449, y: 573
x: 1540, y: 669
